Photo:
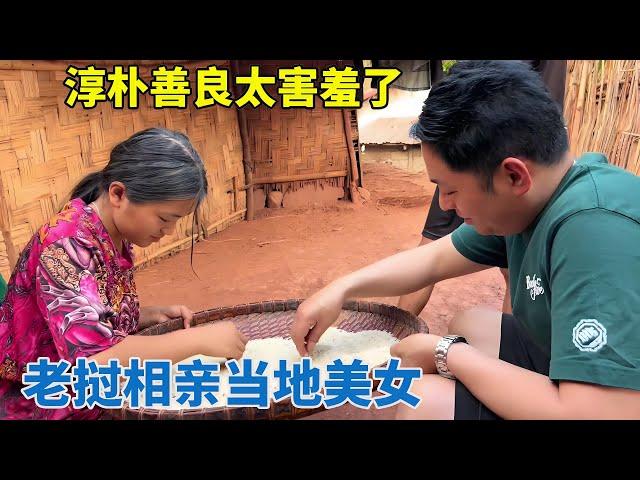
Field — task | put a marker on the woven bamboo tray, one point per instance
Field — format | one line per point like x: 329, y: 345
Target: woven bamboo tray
x: 266, y: 320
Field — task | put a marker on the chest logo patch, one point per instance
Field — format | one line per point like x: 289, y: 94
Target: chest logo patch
x: 534, y: 285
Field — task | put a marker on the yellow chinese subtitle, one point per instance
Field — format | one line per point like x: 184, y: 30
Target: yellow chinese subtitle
x: 170, y: 87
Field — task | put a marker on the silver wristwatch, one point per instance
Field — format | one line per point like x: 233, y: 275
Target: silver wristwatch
x: 442, y: 349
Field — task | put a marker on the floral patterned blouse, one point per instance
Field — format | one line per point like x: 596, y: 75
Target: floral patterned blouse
x: 71, y: 295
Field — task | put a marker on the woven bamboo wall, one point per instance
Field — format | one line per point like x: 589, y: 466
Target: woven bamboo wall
x: 46, y: 147
x: 295, y: 144
x: 602, y: 109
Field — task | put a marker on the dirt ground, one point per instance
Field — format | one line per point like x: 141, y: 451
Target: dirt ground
x: 311, y: 247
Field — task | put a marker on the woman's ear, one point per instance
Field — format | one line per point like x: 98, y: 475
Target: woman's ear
x: 117, y: 194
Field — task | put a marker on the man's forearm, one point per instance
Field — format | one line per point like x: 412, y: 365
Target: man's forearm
x: 408, y: 271
x: 513, y: 392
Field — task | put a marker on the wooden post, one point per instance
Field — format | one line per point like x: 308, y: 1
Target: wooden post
x: 346, y: 120
x: 235, y: 193
x: 246, y: 150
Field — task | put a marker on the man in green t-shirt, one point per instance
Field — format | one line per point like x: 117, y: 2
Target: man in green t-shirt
x: 494, y: 142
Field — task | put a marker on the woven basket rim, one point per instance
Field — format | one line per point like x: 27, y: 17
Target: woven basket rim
x: 268, y: 306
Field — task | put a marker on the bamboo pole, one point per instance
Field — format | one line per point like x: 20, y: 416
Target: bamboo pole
x: 353, y: 177
x: 246, y: 150
x: 299, y: 178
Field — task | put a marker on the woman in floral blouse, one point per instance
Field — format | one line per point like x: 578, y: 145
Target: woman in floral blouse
x: 72, y: 293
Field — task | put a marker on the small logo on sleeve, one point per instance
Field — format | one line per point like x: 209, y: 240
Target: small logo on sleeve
x: 589, y: 335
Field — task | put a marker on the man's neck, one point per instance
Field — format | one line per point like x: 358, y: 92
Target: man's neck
x: 548, y: 180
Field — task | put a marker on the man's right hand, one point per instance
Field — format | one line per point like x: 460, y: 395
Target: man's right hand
x: 315, y: 315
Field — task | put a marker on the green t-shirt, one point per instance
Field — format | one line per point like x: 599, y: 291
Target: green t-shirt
x: 575, y: 274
